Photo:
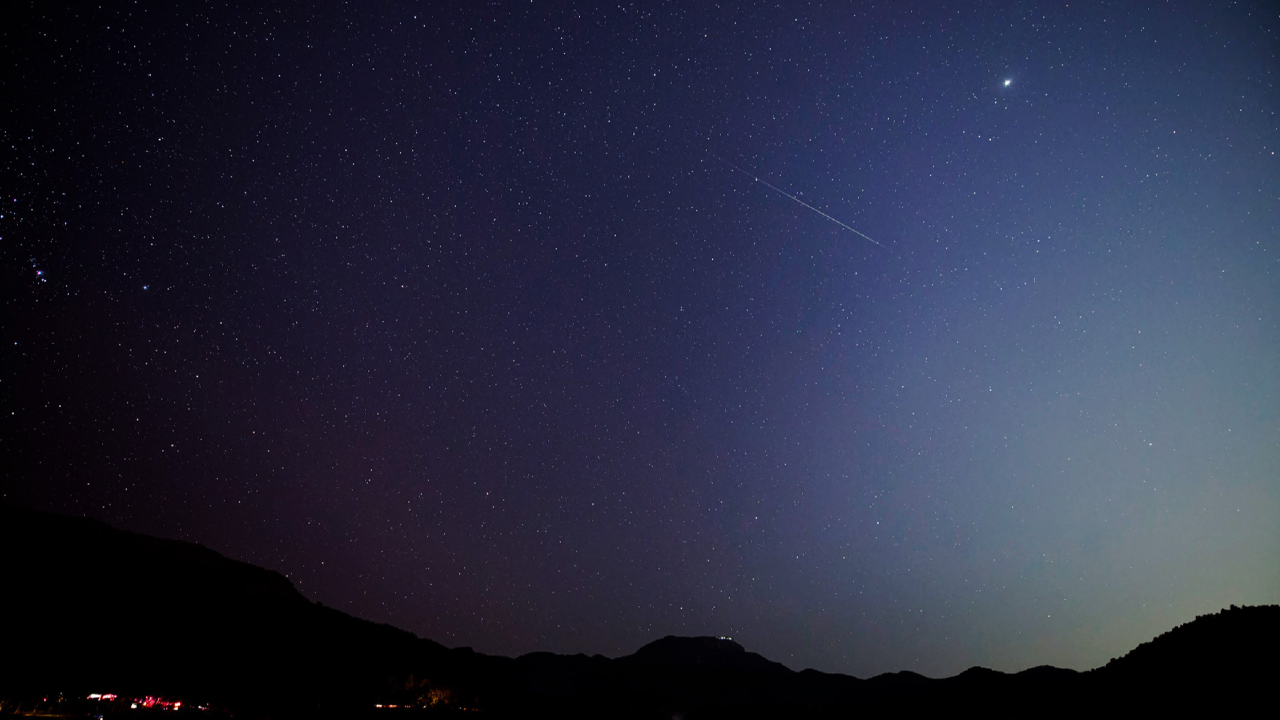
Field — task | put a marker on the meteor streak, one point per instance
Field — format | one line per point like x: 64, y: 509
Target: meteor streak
x: 793, y: 197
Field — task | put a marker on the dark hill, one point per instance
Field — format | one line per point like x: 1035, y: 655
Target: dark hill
x: 1228, y: 646
x: 88, y: 608
x: 1212, y: 664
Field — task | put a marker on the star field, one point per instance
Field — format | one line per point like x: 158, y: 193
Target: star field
x: 454, y: 317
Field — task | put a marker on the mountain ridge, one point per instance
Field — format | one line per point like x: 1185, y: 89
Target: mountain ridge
x: 102, y: 606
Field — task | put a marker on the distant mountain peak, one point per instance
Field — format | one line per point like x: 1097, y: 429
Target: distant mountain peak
x: 695, y: 650
x: 704, y: 653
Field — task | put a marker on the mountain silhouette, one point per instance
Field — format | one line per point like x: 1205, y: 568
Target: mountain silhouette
x: 704, y: 652
x: 89, y: 608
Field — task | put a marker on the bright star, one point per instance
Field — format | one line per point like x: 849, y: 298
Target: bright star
x: 1007, y: 83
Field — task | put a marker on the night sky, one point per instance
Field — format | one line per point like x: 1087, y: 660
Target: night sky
x: 476, y: 321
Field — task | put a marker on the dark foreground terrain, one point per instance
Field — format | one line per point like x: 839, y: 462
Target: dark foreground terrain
x: 88, y: 609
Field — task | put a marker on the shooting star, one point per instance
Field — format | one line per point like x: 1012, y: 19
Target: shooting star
x: 793, y: 197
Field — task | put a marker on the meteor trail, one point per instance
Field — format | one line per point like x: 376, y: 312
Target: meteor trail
x: 793, y: 197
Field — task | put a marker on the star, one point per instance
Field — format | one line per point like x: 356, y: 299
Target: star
x: 1007, y: 83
